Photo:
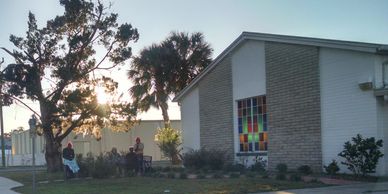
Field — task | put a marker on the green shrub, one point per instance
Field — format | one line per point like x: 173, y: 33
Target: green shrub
x: 265, y: 175
x: 178, y: 169
x: 131, y: 173
x: 332, y: 168
x: 295, y: 177
x: 218, y: 175
x: 314, y: 180
x: 251, y: 174
x: 361, y: 156
x: 156, y: 174
x: 169, y: 140
x: 203, y: 158
x: 102, y: 168
x: 305, y: 169
x: 86, y: 165
x: 166, y: 169
x: 183, y: 175
x: 171, y: 175
x: 234, y: 175
x: 260, y: 165
x: 201, y: 176
x: 281, y: 176
x: 281, y: 168
x: 158, y: 169
x: 233, y: 167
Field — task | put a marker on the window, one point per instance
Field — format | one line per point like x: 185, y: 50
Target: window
x: 252, y: 124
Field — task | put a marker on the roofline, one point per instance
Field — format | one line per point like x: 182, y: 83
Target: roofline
x: 330, y: 43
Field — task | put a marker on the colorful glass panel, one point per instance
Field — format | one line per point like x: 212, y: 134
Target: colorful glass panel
x: 252, y: 124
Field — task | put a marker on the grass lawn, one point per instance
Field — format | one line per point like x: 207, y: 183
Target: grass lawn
x: 150, y: 185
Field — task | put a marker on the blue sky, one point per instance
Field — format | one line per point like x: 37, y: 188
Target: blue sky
x: 221, y: 21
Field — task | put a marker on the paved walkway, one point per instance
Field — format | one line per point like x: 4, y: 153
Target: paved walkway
x: 7, y: 184
x: 361, y: 188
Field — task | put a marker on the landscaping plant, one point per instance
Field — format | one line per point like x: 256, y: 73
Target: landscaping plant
x: 169, y: 142
x: 332, y: 168
x: 362, y: 155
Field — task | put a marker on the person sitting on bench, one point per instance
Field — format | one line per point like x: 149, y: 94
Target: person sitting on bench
x: 71, y: 166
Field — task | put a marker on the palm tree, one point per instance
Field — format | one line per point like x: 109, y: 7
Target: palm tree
x: 150, y: 81
x: 166, y: 68
x: 188, y: 56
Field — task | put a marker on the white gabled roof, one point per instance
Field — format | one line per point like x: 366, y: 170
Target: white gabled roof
x: 339, y: 44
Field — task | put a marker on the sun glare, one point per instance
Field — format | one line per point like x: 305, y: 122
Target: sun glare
x: 102, y: 96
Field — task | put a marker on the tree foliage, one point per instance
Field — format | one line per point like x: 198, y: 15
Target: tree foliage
x: 55, y: 66
x: 361, y: 156
x: 164, y: 69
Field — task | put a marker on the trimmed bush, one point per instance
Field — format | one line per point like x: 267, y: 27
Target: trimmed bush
x: 281, y: 177
x: 203, y: 158
x: 201, y: 176
x: 332, y: 168
x: 362, y: 155
x: 183, y: 175
x: 171, y: 175
x: 305, y: 169
x: 166, y: 169
x: 295, y: 177
x: 234, y: 175
x: 282, y: 168
x: 251, y: 174
x: 102, y: 168
x: 86, y: 165
x: 265, y: 175
x: 260, y: 165
x: 233, y: 167
x: 218, y: 175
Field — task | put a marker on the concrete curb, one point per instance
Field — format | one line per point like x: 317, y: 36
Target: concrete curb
x: 7, y: 184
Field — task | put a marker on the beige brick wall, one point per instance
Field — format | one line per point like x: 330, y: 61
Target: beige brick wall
x: 216, y: 108
x: 293, y: 101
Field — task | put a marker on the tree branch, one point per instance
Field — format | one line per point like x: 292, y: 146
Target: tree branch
x: 70, y: 129
x: 17, y: 99
x: 10, y: 53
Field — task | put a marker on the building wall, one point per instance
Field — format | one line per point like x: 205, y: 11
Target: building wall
x: 382, y: 124
x: 384, y: 119
x: 248, y: 77
x: 216, y: 108
x: 293, y: 103
x: 346, y: 109
x: 190, y: 121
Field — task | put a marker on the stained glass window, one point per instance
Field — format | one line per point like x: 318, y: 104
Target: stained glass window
x: 252, y: 124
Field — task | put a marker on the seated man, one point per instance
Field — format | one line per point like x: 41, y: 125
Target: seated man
x: 71, y: 165
x: 131, y: 160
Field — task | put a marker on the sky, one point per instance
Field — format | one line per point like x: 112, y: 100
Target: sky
x: 221, y: 22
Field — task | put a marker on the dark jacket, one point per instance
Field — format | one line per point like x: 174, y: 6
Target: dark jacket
x: 131, y: 160
x: 68, y: 153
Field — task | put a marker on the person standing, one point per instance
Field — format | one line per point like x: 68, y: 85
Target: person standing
x: 139, y: 147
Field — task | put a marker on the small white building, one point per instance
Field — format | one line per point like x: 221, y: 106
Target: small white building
x: 146, y: 130
x: 288, y: 99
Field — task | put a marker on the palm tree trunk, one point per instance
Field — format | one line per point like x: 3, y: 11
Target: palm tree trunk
x: 166, y: 118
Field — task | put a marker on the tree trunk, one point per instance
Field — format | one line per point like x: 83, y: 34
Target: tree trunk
x: 166, y: 118
x: 53, y: 156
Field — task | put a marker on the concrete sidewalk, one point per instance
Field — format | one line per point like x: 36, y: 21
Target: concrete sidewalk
x: 361, y: 188
x: 7, y: 184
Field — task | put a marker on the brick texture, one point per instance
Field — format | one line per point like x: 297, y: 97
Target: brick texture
x: 293, y: 102
x: 216, y: 108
